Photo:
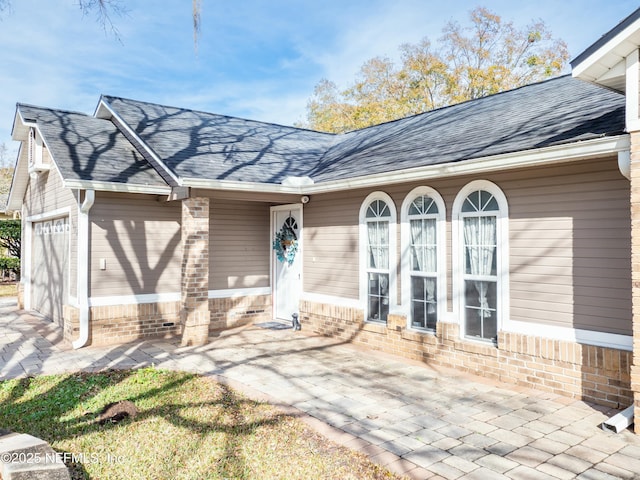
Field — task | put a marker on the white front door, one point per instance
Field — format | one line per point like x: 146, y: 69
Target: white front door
x: 286, y: 227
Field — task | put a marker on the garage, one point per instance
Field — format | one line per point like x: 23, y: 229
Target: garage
x: 50, y: 267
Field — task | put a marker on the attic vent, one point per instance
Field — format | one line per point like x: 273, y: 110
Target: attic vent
x: 38, y: 159
x: 31, y: 146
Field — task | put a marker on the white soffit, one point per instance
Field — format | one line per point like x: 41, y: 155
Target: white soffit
x: 605, y: 65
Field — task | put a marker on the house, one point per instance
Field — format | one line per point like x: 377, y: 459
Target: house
x: 497, y: 236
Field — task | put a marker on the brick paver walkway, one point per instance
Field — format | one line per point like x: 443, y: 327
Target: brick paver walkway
x: 419, y: 421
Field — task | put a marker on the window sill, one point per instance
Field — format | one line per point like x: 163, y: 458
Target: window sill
x: 375, y: 327
x: 475, y: 346
x: 419, y: 335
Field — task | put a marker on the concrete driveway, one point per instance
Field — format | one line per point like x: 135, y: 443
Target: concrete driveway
x: 416, y: 420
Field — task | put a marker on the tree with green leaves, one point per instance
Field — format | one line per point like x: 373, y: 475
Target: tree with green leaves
x: 485, y: 57
x: 10, y: 236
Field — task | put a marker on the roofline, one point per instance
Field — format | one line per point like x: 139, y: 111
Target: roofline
x: 116, y: 187
x: 155, y: 161
x: 13, y: 186
x: 204, y: 112
x: 606, y: 38
x: 508, y: 161
x: 23, y: 186
x: 616, y: 37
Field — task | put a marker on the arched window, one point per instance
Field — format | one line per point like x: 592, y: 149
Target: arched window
x: 423, y: 257
x: 377, y: 256
x: 481, y: 242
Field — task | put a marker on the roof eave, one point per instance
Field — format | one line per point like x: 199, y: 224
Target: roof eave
x: 597, y: 64
x: 102, y: 186
x: 581, y: 150
x: 496, y: 163
x: 19, y: 182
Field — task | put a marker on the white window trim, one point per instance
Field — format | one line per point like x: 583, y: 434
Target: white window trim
x: 502, y: 260
x: 393, y: 296
x: 405, y: 253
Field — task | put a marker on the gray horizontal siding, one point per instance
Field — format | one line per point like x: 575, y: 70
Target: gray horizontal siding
x: 570, y: 247
x: 139, y: 238
x: 569, y: 243
x: 239, y: 244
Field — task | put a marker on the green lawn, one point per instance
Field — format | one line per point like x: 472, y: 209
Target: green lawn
x: 188, y: 427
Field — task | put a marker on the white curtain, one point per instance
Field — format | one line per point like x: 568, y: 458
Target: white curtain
x: 378, y: 233
x: 480, y: 244
x: 423, y: 251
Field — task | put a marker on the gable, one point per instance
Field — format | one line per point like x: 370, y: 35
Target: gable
x: 85, y: 150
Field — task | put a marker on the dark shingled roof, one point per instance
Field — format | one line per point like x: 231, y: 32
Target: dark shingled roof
x: 88, y: 148
x: 203, y: 145
x: 206, y: 146
x: 554, y: 112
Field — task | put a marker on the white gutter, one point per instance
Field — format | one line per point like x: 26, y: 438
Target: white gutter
x: 624, y: 163
x: 495, y: 163
x: 83, y: 266
x: 117, y: 187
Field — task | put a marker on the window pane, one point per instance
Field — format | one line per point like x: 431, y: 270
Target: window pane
x: 423, y: 245
x: 417, y: 207
x: 481, y: 310
x: 491, y: 205
x: 424, y: 302
x: 378, y: 209
x: 480, y: 201
x: 378, y: 240
x: 469, y: 205
x: 378, y: 296
x: 480, y: 245
x: 487, y: 202
x: 423, y: 205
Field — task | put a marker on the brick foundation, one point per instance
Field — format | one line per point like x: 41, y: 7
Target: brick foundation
x: 237, y: 311
x: 125, y: 323
x: 595, y: 374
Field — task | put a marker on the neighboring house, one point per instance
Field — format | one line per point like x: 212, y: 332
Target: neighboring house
x: 493, y: 236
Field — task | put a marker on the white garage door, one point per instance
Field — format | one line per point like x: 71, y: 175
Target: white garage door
x: 50, y: 267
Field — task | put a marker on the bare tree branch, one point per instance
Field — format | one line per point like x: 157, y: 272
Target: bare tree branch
x: 104, y: 9
x: 197, y: 9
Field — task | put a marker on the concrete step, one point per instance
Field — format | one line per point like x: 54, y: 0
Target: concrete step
x: 25, y: 457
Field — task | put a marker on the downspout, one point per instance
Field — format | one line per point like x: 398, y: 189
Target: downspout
x: 83, y: 267
x: 624, y: 163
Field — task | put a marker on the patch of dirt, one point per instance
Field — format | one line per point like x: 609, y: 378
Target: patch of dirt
x: 116, y: 412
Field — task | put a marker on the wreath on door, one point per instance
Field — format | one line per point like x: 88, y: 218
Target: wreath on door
x: 285, y: 242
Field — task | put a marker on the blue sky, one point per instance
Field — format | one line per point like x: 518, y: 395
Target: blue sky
x: 255, y: 59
